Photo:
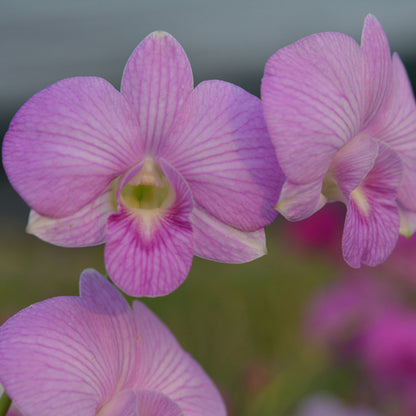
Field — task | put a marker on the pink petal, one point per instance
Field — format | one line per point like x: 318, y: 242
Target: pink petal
x: 372, y: 222
x: 217, y: 241
x: 156, y: 81
x: 152, y: 403
x: 68, y: 142
x: 123, y: 404
x: 353, y: 162
x: 378, y: 69
x: 313, y: 104
x: 140, y: 403
x: 219, y: 143
x: 407, y: 221
x: 171, y: 371
x: 395, y: 124
x: 298, y: 202
x: 149, y: 252
x: 86, y: 227
x: 67, y: 356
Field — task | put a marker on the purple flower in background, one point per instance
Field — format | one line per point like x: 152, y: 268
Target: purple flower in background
x: 94, y: 355
x: 325, y: 405
x: 160, y: 171
x: 389, y: 356
x: 339, y: 315
x: 342, y: 118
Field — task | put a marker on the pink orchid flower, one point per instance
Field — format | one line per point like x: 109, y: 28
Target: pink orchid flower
x: 342, y: 118
x: 94, y: 355
x: 159, y: 171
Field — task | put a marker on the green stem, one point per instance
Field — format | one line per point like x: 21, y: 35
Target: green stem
x: 5, y: 403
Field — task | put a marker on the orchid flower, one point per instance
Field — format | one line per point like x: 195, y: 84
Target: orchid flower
x: 342, y: 118
x: 94, y: 355
x: 159, y: 171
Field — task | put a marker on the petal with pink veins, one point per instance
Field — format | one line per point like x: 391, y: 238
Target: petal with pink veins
x: 86, y: 227
x: 220, y: 144
x: 68, y: 355
x: 156, y: 81
x: 68, y: 142
x: 378, y: 68
x: 298, y: 202
x: 395, y: 124
x: 312, y: 93
x: 149, y: 252
x: 372, y: 222
x: 217, y: 241
x: 168, y: 369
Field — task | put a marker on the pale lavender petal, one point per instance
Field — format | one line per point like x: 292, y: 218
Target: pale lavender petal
x: 156, y: 81
x: 86, y: 227
x: 312, y: 93
x: 152, y: 403
x: 149, y: 252
x: 378, y: 69
x: 123, y: 404
x: 372, y: 221
x: 353, y: 162
x: 140, y: 403
x: 68, y: 142
x: 165, y: 367
x: 407, y: 221
x: 298, y: 202
x: 219, y: 143
x: 69, y: 355
x: 395, y: 124
x: 217, y: 241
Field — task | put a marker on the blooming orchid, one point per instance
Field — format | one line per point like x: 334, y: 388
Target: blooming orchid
x: 94, y: 355
x: 342, y: 118
x: 159, y: 171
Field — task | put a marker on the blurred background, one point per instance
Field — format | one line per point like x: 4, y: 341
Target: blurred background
x: 295, y: 332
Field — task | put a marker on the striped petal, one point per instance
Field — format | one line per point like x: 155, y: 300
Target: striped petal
x: 71, y: 139
x: 372, y: 221
x: 219, y: 143
x: 312, y: 99
x: 166, y: 368
x: 217, y: 241
x: 69, y: 355
x: 86, y: 227
x: 156, y: 81
x: 149, y: 252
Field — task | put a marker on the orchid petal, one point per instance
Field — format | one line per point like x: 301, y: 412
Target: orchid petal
x: 217, y: 241
x: 395, y: 124
x: 312, y: 99
x: 407, y: 221
x: 140, y: 403
x: 372, y: 221
x: 71, y: 139
x: 165, y: 367
x: 86, y: 227
x: 298, y: 202
x: 149, y: 252
x: 123, y: 404
x: 56, y: 358
x: 353, y: 162
x: 219, y: 143
x: 152, y: 403
x: 378, y: 69
x: 156, y: 81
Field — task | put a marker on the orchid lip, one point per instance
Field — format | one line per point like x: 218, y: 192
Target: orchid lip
x: 148, y: 189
